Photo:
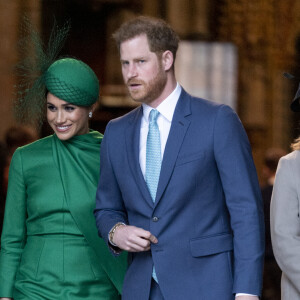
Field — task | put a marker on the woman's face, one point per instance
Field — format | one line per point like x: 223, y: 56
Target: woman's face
x: 66, y: 119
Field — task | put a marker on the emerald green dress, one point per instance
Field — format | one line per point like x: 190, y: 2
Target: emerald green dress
x: 50, y: 246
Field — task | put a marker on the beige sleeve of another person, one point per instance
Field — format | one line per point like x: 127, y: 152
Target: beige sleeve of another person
x: 285, y: 223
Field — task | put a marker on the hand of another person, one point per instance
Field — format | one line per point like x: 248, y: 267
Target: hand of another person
x: 133, y: 239
x: 246, y: 297
x: 4, y: 298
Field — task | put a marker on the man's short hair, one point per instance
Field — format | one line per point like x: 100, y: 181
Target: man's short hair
x: 161, y: 37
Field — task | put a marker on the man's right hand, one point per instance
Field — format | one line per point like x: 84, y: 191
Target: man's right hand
x: 133, y: 239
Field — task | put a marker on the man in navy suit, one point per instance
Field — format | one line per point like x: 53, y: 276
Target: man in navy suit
x: 201, y: 236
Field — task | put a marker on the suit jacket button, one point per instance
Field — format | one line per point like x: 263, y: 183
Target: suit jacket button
x: 155, y: 219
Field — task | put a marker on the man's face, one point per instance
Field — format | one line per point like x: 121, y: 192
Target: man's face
x: 142, y: 70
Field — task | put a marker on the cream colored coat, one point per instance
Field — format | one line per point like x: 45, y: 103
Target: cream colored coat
x: 285, y: 224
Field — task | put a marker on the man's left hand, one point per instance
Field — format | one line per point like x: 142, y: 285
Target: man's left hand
x: 246, y: 297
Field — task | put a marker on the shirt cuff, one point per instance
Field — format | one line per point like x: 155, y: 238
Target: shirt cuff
x: 243, y: 294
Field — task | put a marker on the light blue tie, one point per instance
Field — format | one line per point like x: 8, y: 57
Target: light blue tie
x: 153, y: 159
x: 153, y: 154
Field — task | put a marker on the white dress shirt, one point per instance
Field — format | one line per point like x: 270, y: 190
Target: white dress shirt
x: 166, y: 111
x: 164, y: 120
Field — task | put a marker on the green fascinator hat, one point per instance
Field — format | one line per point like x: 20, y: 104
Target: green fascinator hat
x: 42, y: 71
x: 73, y: 81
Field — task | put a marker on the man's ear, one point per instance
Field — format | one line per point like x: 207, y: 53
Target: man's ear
x: 167, y: 60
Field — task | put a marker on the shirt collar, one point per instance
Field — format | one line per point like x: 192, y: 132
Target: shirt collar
x: 167, y: 107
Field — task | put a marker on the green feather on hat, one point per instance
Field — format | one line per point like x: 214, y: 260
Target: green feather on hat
x: 69, y: 79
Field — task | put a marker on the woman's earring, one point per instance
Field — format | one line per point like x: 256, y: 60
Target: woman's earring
x: 90, y: 114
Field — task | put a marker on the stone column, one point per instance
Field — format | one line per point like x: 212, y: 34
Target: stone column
x: 11, y: 13
x: 200, y: 20
x: 188, y: 17
x: 152, y: 8
x: 9, y: 19
x: 178, y: 15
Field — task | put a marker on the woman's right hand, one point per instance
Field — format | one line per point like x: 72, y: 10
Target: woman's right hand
x: 4, y: 298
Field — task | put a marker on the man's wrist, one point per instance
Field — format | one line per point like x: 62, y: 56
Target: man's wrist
x: 112, y: 233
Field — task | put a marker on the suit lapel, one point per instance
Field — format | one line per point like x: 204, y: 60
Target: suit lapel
x: 177, y: 133
x: 132, y: 147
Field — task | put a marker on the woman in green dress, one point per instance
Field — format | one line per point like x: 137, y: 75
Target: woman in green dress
x: 50, y: 246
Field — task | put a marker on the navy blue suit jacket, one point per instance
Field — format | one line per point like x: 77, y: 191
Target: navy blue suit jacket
x: 208, y: 214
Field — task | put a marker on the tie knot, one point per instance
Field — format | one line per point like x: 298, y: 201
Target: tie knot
x: 153, y: 115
